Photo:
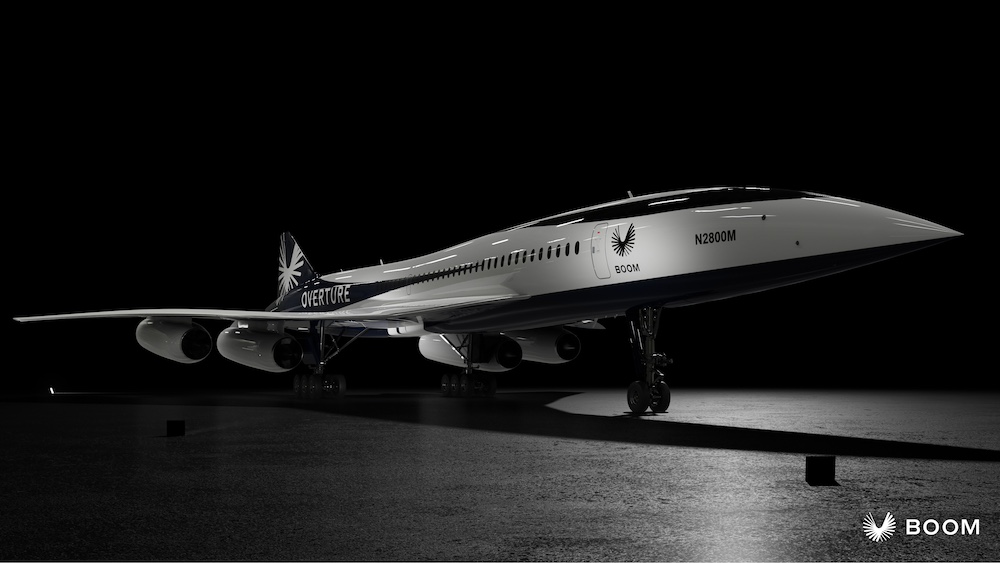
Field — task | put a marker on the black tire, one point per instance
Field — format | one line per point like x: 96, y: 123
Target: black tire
x: 638, y: 397
x: 445, y: 385
x: 465, y: 386
x: 661, y: 403
x: 484, y: 385
x: 315, y: 386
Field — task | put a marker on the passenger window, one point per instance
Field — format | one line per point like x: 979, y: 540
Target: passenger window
x: 577, y: 247
x: 549, y: 255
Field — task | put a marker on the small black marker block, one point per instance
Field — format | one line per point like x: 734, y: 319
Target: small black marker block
x: 175, y: 428
x: 821, y: 470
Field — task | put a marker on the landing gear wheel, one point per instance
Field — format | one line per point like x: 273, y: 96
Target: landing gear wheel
x: 339, y: 386
x: 315, y: 390
x: 470, y: 382
x: 638, y: 397
x: 297, y: 385
x: 661, y: 398
x: 482, y: 385
x: 489, y: 385
x: 651, y: 390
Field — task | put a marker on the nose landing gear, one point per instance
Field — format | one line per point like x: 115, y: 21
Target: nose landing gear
x: 651, y: 390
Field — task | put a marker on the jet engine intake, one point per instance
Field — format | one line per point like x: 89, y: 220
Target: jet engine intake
x: 275, y: 352
x: 175, y: 339
x: 547, y: 345
x: 492, y: 353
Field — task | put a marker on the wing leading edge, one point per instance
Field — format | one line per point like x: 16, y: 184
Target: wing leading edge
x: 390, y: 311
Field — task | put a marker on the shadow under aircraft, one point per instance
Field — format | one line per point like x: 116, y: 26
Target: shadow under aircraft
x: 528, y: 413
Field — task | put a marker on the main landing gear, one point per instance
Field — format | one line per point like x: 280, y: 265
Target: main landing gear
x: 318, y: 385
x: 651, y: 390
x: 469, y: 383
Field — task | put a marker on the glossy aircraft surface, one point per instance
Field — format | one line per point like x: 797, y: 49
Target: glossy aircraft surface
x: 489, y: 303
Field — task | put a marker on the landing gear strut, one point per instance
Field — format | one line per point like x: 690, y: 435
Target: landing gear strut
x: 319, y: 385
x: 651, y: 390
x: 469, y: 383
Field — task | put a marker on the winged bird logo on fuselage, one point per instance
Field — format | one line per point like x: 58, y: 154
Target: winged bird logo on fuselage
x: 623, y: 246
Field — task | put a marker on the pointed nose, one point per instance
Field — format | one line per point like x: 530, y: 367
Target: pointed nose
x: 910, y: 228
x: 883, y: 226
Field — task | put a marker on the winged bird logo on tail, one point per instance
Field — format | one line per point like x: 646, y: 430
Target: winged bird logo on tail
x: 293, y: 267
x: 879, y: 533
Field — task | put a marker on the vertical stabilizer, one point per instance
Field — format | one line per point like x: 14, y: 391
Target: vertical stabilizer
x: 293, y: 267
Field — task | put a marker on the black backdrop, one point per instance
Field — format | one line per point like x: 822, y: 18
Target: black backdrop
x: 164, y: 179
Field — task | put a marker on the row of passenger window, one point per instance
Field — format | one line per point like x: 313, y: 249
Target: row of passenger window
x: 510, y: 259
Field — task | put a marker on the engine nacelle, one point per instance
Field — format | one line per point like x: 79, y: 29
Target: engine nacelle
x: 175, y: 339
x: 275, y: 352
x: 492, y: 353
x: 547, y: 345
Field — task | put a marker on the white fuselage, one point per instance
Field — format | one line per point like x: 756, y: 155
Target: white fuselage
x: 507, y: 296
x: 674, y: 248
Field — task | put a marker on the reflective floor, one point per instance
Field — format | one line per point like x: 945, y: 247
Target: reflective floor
x: 529, y: 475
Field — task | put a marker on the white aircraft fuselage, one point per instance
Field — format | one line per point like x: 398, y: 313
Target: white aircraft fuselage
x: 671, y: 249
x: 490, y: 302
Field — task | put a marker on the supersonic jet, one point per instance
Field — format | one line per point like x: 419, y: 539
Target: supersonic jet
x: 487, y: 304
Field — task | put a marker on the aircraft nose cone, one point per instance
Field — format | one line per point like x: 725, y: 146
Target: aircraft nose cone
x: 872, y: 225
x: 903, y: 226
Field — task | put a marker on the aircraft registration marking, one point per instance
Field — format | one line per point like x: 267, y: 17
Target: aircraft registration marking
x: 714, y: 237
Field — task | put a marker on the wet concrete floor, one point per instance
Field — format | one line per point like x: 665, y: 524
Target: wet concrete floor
x: 528, y: 475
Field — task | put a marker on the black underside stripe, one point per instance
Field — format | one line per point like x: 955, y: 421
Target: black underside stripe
x: 676, y: 291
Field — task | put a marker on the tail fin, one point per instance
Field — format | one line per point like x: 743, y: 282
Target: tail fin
x: 293, y: 267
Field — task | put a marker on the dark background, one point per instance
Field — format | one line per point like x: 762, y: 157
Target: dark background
x: 161, y: 175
